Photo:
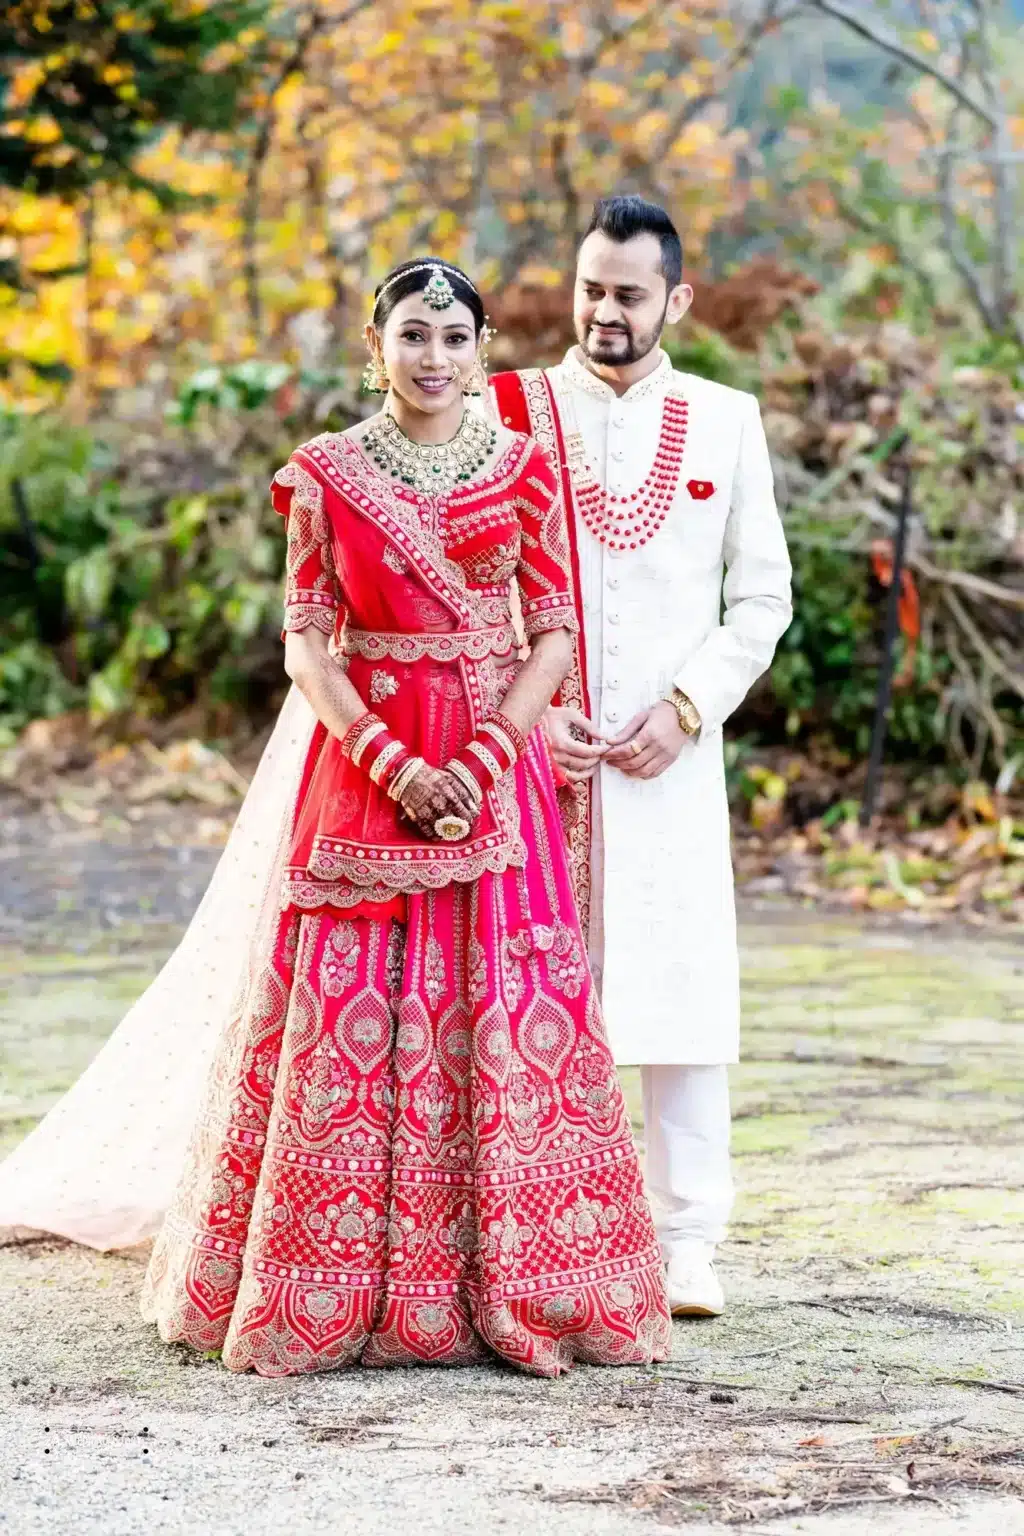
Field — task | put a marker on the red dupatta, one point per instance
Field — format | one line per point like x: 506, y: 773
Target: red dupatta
x: 526, y: 403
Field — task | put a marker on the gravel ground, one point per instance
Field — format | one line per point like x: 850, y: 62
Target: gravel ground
x: 868, y: 1377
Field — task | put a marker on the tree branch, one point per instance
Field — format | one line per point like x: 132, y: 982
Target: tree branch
x: 1003, y: 189
x: 887, y: 235
x: 771, y: 16
x: 894, y: 45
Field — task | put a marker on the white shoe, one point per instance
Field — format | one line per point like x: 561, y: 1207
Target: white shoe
x: 694, y: 1290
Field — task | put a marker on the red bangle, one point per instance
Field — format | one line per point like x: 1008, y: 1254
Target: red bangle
x: 511, y: 730
x: 483, y: 775
x: 355, y: 731
x: 370, y: 745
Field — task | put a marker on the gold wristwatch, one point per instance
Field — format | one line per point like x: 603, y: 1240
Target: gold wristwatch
x: 686, y: 711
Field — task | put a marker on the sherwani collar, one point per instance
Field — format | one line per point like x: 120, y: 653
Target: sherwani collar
x: 653, y: 386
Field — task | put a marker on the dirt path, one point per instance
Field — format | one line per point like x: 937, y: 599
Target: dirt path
x: 869, y: 1376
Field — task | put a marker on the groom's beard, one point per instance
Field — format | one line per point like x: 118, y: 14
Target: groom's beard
x: 620, y: 345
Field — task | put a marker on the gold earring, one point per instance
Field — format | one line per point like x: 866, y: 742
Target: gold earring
x: 476, y: 384
x: 375, y: 376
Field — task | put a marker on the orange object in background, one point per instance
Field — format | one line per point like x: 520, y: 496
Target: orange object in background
x: 908, y: 608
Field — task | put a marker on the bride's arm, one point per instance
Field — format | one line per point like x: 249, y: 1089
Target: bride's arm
x: 433, y: 793
x: 539, y: 679
x: 316, y: 674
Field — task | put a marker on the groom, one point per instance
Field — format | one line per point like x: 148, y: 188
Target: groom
x: 683, y: 589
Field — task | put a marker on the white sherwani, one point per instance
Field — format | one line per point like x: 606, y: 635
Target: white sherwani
x: 653, y: 619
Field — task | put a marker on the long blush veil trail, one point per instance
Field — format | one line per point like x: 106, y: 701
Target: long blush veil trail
x: 101, y: 1167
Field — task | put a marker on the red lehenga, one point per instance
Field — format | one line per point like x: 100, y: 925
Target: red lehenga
x: 414, y: 1146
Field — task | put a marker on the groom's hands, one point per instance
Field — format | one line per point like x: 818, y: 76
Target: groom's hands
x: 650, y: 743
x: 577, y: 744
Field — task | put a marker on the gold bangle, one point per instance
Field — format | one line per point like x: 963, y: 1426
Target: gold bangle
x: 467, y: 779
x: 404, y: 777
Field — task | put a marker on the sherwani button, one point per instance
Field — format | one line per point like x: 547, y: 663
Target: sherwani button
x: 613, y: 618
x: 613, y: 682
x: 612, y: 715
x: 613, y: 650
x: 613, y: 582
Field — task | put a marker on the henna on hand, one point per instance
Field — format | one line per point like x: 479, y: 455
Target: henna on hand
x: 434, y: 793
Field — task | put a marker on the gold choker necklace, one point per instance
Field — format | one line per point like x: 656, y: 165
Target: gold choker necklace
x: 431, y: 468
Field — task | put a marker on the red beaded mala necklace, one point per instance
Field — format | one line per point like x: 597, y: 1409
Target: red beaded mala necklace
x: 631, y: 521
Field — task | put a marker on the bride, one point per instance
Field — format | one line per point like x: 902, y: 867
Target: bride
x: 411, y: 1144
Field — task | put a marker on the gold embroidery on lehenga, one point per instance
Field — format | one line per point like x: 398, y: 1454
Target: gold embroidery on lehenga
x: 448, y: 645
x: 383, y: 685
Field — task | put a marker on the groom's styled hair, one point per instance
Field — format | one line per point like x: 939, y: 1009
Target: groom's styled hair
x: 623, y: 218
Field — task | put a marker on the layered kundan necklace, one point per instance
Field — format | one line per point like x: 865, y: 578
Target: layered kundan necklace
x: 431, y: 468
x: 631, y: 521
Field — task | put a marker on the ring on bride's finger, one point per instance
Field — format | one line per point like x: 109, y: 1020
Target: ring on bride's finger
x: 635, y: 748
x: 451, y: 829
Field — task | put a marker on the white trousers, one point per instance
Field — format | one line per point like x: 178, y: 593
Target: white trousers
x: 686, y: 1144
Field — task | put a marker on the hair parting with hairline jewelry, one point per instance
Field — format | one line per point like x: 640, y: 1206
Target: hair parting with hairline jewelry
x: 413, y: 277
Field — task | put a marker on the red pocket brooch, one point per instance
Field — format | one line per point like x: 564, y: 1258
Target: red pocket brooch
x: 700, y: 490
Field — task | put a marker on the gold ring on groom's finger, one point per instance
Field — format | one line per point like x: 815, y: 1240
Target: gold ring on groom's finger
x: 635, y: 748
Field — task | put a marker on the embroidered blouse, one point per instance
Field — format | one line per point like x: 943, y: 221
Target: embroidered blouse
x: 415, y: 590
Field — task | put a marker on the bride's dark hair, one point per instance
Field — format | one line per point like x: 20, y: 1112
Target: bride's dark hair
x: 412, y: 277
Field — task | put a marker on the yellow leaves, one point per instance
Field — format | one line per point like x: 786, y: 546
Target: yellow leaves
x: 103, y: 322
x: 695, y: 138
x: 377, y: 148
x: 41, y: 130
x: 391, y: 42
x: 649, y: 129
x: 926, y: 41
x: 537, y: 275
x: 23, y: 84
x: 36, y: 215
x: 605, y: 93
x: 767, y: 791
x: 446, y: 226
